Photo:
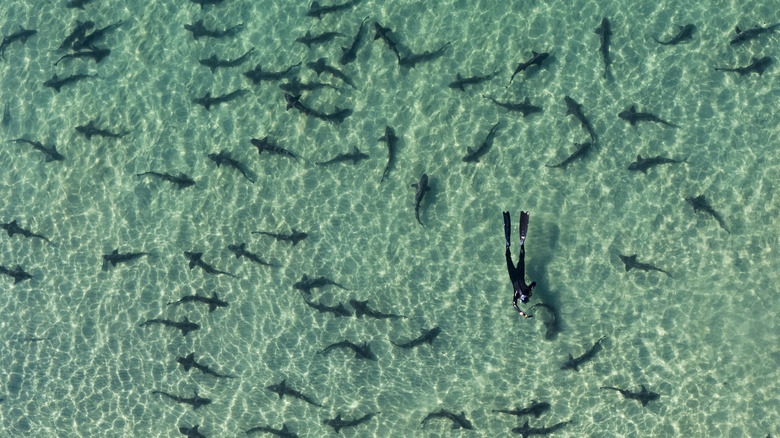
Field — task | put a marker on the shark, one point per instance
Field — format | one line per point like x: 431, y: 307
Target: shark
x: 13, y: 228
x: 283, y: 389
x: 213, y: 302
x: 458, y: 421
x: 525, y: 430
x: 196, y: 260
x: 337, y: 311
x: 632, y: 116
x: 307, y: 284
x: 115, y: 257
x: 295, y: 236
x: 459, y: 82
x: 756, y: 66
x: 316, y: 10
x: 240, y: 251
x: 349, y: 54
x: 324, y: 37
x: 574, y: 362
x: 632, y: 263
x: 361, y: 308
x: 224, y: 158
x: 18, y: 274
x: 700, y: 203
x: 391, y: 140
x: 604, y: 31
x: 57, y: 83
x: 685, y: 33
x: 199, y: 30
x: 362, y: 351
x: 284, y: 432
x: 643, y: 164
x: 355, y: 156
x: 582, y: 150
x: 181, y: 180
x: 196, y: 401
x: 644, y: 396
x: 524, y: 107
x: 421, y: 187
x: 189, y: 362
x: 427, y: 336
x: 257, y: 74
x: 536, y: 409
x: 264, y: 144
x: 472, y: 156
x: 213, y: 63
x: 184, y: 325
x: 536, y: 59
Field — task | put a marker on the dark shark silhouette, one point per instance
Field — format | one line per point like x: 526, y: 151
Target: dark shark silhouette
x: 6, y: 114
x: 307, y: 284
x: 604, y: 32
x: 632, y: 263
x: 412, y: 59
x: 643, y: 164
x: 57, y: 83
x: 191, y: 432
x: 339, y: 423
x: 213, y: 302
x: 240, y: 251
x: 321, y: 66
x: 184, y: 325
x: 472, y: 156
x: 17, y: 273
x: 644, y: 396
x: 13, y: 228
x: 195, y: 260
x: 77, y: 4
x: 214, y: 63
x: 224, y: 158
x: 21, y: 35
x: 427, y: 336
x: 337, y: 311
x: 536, y: 409
x: 265, y: 145
x: 295, y: 87
x: 78, y: 33
x: 324, y: 37
x: 525, y: 430
x: 196, y: 401
x: 284, y: 432
x: 362, y: 351
x: 355, y: 156
x: 257, y: 75
x: 115, y: 258
x: 189, y: 362
x: 575, y: 109
x: 700, y: 203
x: 381, y: 32
x: 458, y: 421
x: 525, y: 107
x: 315, y: 10
x: 295, y: 236
x: 421, y: 187
x: 753, y: 33
x: 349, y: 54
x: 685, y: 34
x: 282, y: 389
x: 88, y: 41
x: 90, y: 130
x: 97, y: 55
x: 573, y: 363
x: 536, y: 59
x: 203, y: 3
x: 207, y: 101
x: 199, y: 30
x: 582, y: 150
x: 459, y: 82
x: 181, y: 180
x: 391, y: 140
x: 632, y: 116
x: 756, y: 66
x: 361, y: 308
x: 552, y: 325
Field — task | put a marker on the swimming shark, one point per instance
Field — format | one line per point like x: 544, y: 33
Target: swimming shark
x: 391, y: 140
x: 321, y: 66
x: 189, y: 362
x: 361, y: 308
x: 355, y: 156
x: 78, y: 33
x: 458, y: 421
x: 115, y: 258
x: 206, y: 2
x: 57, y: 83
x: 21, y: 35
x: 573, y: 363
x: 195, y: 260
x: 412, y: 59
x: 17, y: 273
x: 525, y: 107
x: 88, y: 41
x: 97, y: 55
x: 644, y: 396
x: 77, y: 4
x: 295, y: 236
x: 307, y: 284
x: 199, y: 30
x: 756, y: 66
x: 459, y: 81
x: 472, y: 156
x: 224, y: 158
x: 264, y: 144
x: 575, y: 109
x: 582, y: 150
x: 240, y: 251
x: 13, y: 228
x: 196, y: 401
x: 315, y: 10
x: 643, y: 164
x: 207, y: 101
x: 749, y: 34
x: 191, y: 432
x: 324, y: 37
x: 181, y: 180
x: 90, y: 130
x: 700, y: 203
x: 213, y: 302
x: 631, y: 263
x: 184, y: 325
x: 604, y: 32
x: 552, y: 324
x: 632, y: 116
x: 282, y: 389
x: 525, y: 430
x: 536, y: 59
x: 685, y: 33
x: 381, y: 32
x: 337, y: 311
x: 213, y: 63
x: 536, y: 409
x: 350, y: 53
x: 6, y: 114
x: 427, y: 336
x: 284, y: 432
x: 362, y: 351
x: 339, y: 423
x: 257, y: 74
x: 421, y: 187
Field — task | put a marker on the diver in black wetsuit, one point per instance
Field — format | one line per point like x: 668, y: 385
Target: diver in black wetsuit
x: 523, y: 291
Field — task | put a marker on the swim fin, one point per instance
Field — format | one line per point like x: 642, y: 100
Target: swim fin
x: 507, y: 227
x: 523, y: 225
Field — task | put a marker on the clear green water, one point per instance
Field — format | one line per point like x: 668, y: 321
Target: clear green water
x: 705, y: 339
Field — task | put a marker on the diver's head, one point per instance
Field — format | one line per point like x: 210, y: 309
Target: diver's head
x: 525, y: 298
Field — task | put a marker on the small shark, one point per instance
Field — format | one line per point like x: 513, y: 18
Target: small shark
x: 195, y: 260
x: 749, y: 34
x: 756, y: 66
x: 355, y: 156
x: 88, y: 41
x: 57, y: 83
x: 573, y: 363
x: 604, y: 32
x: 77, y: 4
x: 525, y: 107
x: 700, y: 203
x: 284, y: 432
x: 361, y: 308
x: 115, y: 258
x: 315, y: 10
x: 282, y: 389
x: 223, y: 158
x: 207, y: 101
x: 191, y: 432
x: 362, y: 351
x: 458, y: 421
x: 97, y: 55
x: 21, y: 35
x: 642, y: 164
x: 199, y: 30
x: 582, y: 150
x: 536, y: 409
x: 426, y: 336
x: 13, y: 228
x: 196, y: 401
x: 18, y: 273
x: 337, y: 311
x: 182, y: 180
x: 89, y: 130
x: 240, y: 250
x: 257, y: 75
x: 213, y: 302
x: 632, y: 116
x: 294, y: 237
x: 184, y: 325
x: 320, y: 67
x: 310, y: 39
x: 213, y: 63
x: 381, y: 32
x: 206, y: 2
x: 189, y: 362
x: 78, y: 33
x: 264, y: 145
x: 575, y: 109
x: 685, y: 34
x: 307, y: 284
x: 472, y: 156
x: 391, y: 141
x: 526, y: 430
x: 536, y: 59
x: 412, y: 59
x: 338, y: 423
x: 553, y: 325
x: 644, y: 396
x: 7, y: 114
x: 295, y: 87
x: 421, y: 187
x: 459, y: 81
x: 631, y: 263
x: 337, y: 116
x: 350, y: 53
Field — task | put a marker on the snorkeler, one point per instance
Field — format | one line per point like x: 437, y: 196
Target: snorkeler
x: 523, y: 291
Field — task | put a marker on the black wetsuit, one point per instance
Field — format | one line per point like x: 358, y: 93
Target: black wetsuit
x: 517, y: 276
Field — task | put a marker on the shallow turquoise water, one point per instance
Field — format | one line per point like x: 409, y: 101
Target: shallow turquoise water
x: 705, y: 339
